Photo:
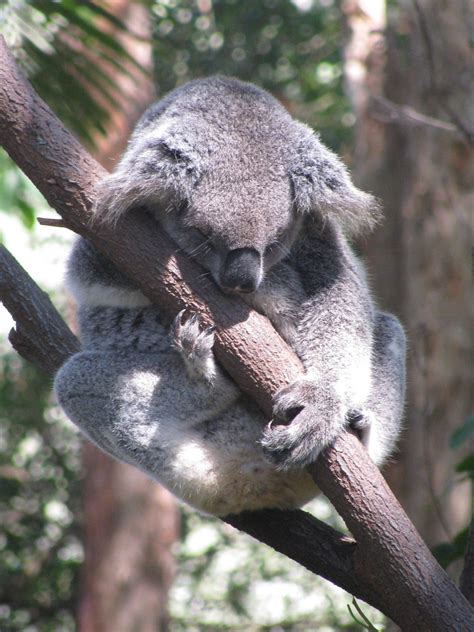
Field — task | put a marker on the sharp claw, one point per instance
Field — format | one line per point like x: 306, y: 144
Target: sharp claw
x: 357, y: 419
x: 280, y: 421
x: 179, y: 320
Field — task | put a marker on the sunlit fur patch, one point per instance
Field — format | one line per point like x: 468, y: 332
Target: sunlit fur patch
x: 98, y: 295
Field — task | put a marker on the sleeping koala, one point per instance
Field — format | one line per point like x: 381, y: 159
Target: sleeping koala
x: 256, y: 199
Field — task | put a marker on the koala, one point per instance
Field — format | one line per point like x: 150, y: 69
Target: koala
x: 266, y: 209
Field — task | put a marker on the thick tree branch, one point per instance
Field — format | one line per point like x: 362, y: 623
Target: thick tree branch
x: 392, y: 565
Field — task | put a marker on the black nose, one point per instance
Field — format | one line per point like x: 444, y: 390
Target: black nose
x: 241, y: 271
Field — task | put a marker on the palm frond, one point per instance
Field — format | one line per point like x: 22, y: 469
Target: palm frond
x: 65, y: 48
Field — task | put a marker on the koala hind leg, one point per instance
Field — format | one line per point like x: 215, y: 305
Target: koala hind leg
x: 379, y: 424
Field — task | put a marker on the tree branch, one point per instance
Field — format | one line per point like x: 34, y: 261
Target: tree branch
x: 391, y: 565
x: 41, y: 335
x: 387, y: 111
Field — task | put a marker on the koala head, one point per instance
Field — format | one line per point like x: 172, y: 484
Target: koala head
x: 230, y: 176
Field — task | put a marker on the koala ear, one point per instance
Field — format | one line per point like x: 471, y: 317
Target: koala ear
x: 151, y: 173
x: 114, y: 196
x: 321, y: 184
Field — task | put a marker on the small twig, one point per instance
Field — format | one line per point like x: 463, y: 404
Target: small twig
x: 50, y: 221
x: 466, y: 132
x: 389, y: 112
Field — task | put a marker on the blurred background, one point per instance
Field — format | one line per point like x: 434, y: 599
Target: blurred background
x: 89, y: 544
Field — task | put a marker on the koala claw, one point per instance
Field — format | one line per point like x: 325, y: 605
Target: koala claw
x: 194, y: 342
x: 307, y: 418
x: 361, y: 422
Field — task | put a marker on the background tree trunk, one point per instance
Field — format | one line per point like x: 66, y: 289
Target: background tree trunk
x: 414, y: 102
x: 130, y: 525
x: 130, y: 522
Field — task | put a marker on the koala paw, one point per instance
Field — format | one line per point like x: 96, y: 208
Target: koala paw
x: 194, y: 342
x: 307, y: 417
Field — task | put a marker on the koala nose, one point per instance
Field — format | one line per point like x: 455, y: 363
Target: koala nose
x: 241, y: 272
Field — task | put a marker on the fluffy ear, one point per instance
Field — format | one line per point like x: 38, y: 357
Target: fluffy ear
x: 321, y: 183
x: 115, y: 195
x: 152, y: 173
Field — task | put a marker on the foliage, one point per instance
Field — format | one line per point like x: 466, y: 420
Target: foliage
x: 18, y: 197
x: 462, y: 434
x: 293, y: 49
x: 40, y: 546
x: 39, y: 485
x: 58, y: 44
x: 227, y: 581
x: 448, y: 552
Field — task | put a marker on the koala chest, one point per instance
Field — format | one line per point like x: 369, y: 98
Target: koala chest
x: 280, y: 298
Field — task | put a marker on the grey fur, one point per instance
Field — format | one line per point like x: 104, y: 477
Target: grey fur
x: 255, y: 197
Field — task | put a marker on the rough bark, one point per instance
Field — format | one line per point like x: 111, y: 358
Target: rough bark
x: 409, y: 586
x: 413, y: 96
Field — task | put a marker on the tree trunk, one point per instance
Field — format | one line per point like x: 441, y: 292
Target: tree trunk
x: 130, y: 523
x: 414, y: 150
x: 130, y: 526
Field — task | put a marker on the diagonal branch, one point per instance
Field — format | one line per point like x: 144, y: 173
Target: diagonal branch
x: 390, y: 561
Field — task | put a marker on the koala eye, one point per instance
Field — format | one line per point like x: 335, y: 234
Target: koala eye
x: 274, y: 246
x: 171, y: 153
x: 182, y: 207
x: 202, y: 235
x: 276, y: 250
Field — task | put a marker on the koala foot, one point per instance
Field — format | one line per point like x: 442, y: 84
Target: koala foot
x: 307, y: 417
x: 194, y: 342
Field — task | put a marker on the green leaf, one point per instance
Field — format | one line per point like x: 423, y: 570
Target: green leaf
x: 448, y: 552
x: 462, y: 434
x: 57, y: 44
x: 466, y: 465
x: 27, y: 213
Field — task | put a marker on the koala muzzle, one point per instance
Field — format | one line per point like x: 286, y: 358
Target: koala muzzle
x: 241, y: 272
